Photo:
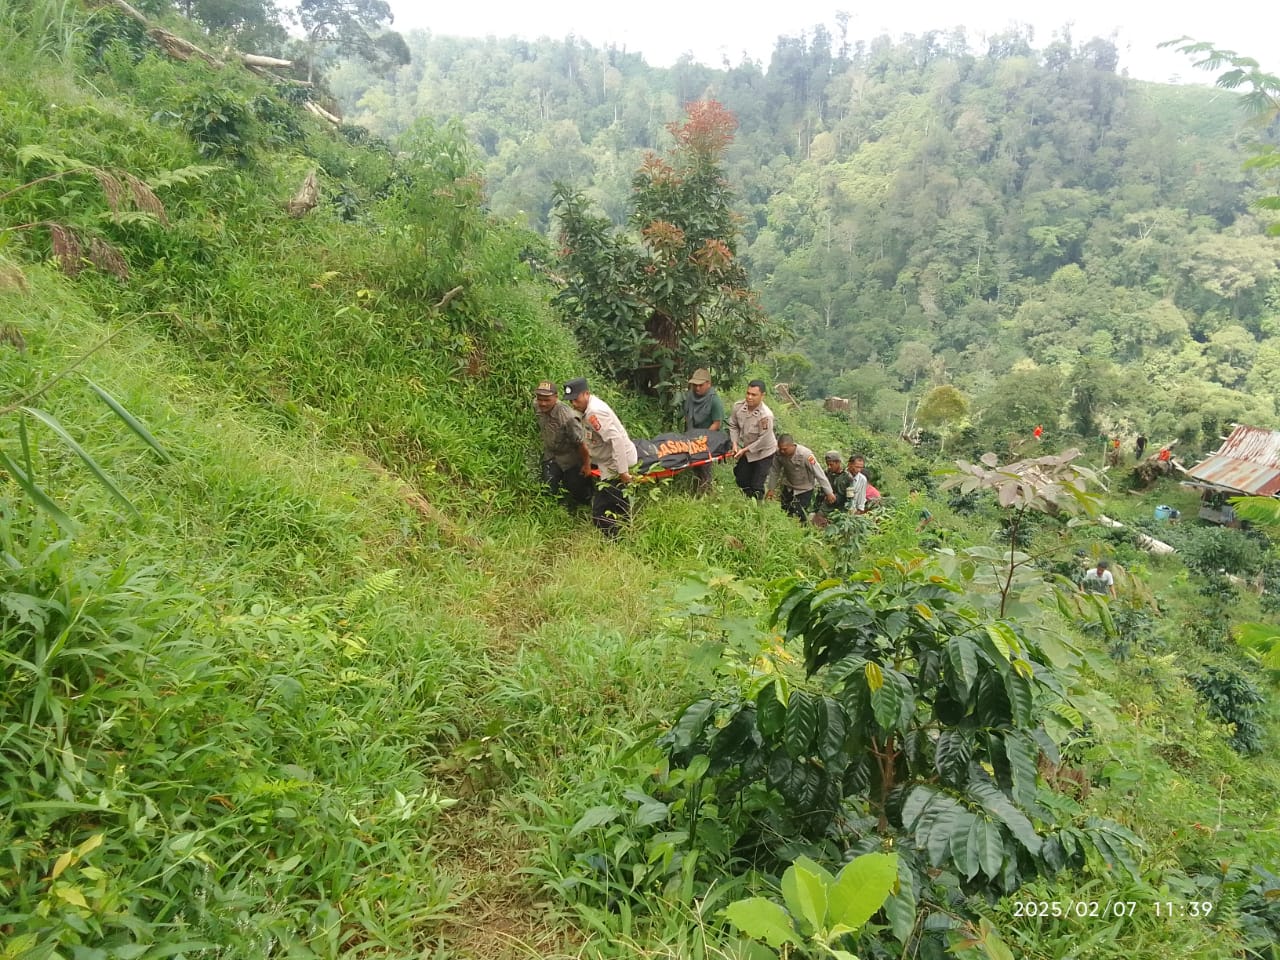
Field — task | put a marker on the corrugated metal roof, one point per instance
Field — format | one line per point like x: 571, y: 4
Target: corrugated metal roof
x: 1248, y: 461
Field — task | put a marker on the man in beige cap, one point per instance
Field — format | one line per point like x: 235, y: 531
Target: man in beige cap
x: 754, y: 445
x: 703, y: 410
x: 566, y: 462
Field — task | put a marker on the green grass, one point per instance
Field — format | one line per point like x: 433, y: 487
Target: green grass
x: 347, y: 683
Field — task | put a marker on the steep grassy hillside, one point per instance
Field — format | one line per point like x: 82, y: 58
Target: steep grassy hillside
x: 331, y: 679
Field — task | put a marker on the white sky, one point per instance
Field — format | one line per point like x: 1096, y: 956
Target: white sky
x: 710, y: 29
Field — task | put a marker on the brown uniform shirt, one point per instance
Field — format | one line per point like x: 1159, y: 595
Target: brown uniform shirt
x: 800, y: 472
x: 561, y: 436
x: 752, y: 430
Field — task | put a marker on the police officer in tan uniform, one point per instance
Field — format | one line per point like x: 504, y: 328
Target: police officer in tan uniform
x: 566, y: 462
x: 796, y: 469
x: 611, y: 449
x: 754, y: 445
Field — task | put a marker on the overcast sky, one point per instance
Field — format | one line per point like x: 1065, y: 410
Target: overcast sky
x: 711, y: 29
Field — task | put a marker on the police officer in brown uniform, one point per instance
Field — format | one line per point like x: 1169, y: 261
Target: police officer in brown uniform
x: 611, y: 449
x: 754, y: 445
x: 796, y: 469
x: 566, y: 462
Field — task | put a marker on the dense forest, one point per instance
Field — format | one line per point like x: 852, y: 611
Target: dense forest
x: 1064, y: 244
x: 301, y: 659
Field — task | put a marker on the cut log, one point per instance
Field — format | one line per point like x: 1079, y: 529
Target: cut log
x: 305, y: 200
x: 322, y: 113
x: 257, y: 60
x: 1149, y: 544
x: 783, y: 390
x: 835, y: 404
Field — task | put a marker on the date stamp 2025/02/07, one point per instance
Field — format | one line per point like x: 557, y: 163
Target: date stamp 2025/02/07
x: 1105, y: 909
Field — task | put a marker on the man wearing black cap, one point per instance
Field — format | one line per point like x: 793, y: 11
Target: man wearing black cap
x: 703, y: 410
x: 611, y: 449
x: 566, y: 462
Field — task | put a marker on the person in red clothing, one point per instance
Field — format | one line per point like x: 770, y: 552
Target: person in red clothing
x: 1038, y: 431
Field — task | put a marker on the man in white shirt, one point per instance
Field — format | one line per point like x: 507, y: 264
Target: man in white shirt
x: 857, y: 495
x: 1099, y: 580
x: 611, y: 449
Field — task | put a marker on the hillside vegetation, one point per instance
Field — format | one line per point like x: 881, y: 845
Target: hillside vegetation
x: 321, y: 674
x: 1025, y: 224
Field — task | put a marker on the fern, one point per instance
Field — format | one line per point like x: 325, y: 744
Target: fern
x: 39, y: 152
x: 183, y: 175
x: 373, y: 587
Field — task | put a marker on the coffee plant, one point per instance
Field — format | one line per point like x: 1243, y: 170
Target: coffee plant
x: 921, y: 723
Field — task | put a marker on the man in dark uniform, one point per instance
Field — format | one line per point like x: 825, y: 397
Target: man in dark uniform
x: 566, y: 463
x: 840, y: 482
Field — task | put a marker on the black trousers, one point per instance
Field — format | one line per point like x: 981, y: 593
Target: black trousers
x: 797, y: 503
x: 609, y: 507
x: 752, y: 475
x: 569, y: 485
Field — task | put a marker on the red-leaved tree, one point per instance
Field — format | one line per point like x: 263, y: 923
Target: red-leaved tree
x: 653, y: 303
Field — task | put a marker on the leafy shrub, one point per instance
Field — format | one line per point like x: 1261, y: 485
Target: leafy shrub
x: 920, y: 723
x: 1211, y: 549
x: 1232, y: 698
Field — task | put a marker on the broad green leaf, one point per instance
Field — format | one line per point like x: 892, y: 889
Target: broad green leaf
x: 1005, y: 640
x: 763, y: 920
x: 1023, y: 753
x: 129, y: 420
x: 962, y: 663
x: 861, y: 888
x: 828, y: 878
x: 900, y: 908
x: 990, y: 846
x: 831, y: 730
x: 886, y: 703
x: 771, y: 712
x: 967, y: 853
x: 917, y: 800
x: 956, y: 846
x: 806, y: 896
x: 801, y: 725
x: 595, y: 817
x: 1002, y: 807
x: 32, y: 490
x: 689, y: 728
x: 52, y: 423
x: 951, y: 755
x: 951, y: 820
x: 1021, y: 698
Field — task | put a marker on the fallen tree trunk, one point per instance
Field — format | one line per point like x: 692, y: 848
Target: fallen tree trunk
x: 322, y: 113
x: 1149, y: 544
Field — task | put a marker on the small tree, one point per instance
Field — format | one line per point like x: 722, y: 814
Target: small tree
x: 1048, y: 485
x: 672, y: 296
x: 942, y: 406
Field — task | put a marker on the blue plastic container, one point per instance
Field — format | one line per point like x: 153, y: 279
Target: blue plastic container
x: 1164, y: 512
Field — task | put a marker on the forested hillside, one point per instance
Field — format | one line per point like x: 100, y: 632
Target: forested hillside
x: 1065, y: 245
x: 298, y: 658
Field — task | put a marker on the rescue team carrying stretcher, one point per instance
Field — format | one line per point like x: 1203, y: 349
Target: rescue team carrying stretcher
x: 588, y: 457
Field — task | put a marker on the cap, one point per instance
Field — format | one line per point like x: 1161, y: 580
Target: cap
x: 701, y: 375
x: 574, y: 387
x: 546, y: 389
x: 834, y: 456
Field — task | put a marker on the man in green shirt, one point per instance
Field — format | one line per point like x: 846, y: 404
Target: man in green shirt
x: 703, y: 410
x: 840, y: 482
